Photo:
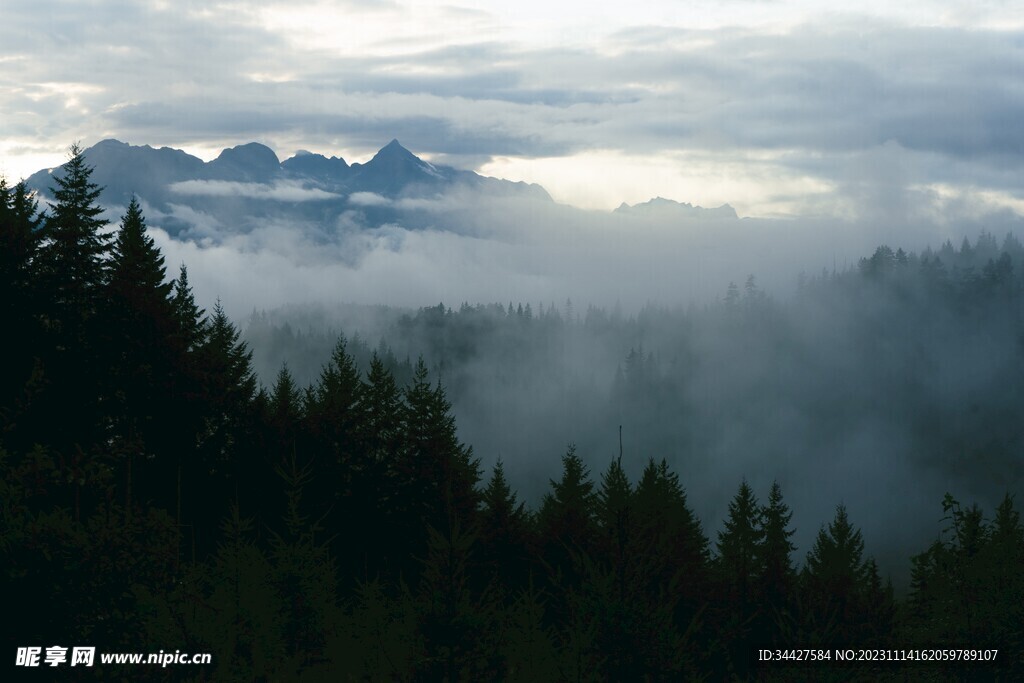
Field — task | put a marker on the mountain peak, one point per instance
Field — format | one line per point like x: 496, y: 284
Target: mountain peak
x: 394, y: 150
x: 250, y: 153
x: 394, y: 168
x: 249, y: 162
x: 662, y: 206
x: 110, y: 142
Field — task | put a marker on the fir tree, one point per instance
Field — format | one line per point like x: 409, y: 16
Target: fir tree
x: 835, y: 574
x: 20, y: 224
x: 568, y: 531
x: 433, y: 448
x: 568, y: 513
x: 777, y: 578
x: 616, y: 518
x: 191, y: 322
x: 227, y: 433
x: 20, y: 304
x: 72, y: 272
x: 138, y: 329
x: 738, y: 566
x: 505, y: 533
x: 74, y: 250
x: 739, y: 551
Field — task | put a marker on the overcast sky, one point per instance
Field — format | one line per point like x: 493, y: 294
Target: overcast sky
x: 778, y: 108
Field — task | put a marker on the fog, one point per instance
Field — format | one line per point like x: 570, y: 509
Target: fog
x: 882, y: 392
x: 462, y: 246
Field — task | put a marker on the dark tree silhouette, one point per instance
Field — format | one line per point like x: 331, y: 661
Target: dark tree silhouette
x: 777, y: 578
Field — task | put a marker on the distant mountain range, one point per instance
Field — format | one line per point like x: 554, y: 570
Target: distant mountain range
x: 667, y: 208
x: 248, y: 184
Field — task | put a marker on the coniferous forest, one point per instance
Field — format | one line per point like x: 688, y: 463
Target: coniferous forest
x: 156, y: 494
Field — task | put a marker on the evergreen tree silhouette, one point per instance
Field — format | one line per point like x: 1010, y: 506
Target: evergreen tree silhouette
x: 505, y: 535
x: 568, y: 513
x: 138, y: 329
x: 439, y: 472
x: 677, y: 567
x: 74, y: 248
x: 834, y: 577
x: 459, y: 624
x: 20, y: 305
x: 738, y: 565
x: 334, y: 415
x: 616, y: 519
x: 72, y: 273
x: 379, y: 433
x: 567, y: 537
x: 226, y: 438
x: 192, y: 326
x: 777, y: 577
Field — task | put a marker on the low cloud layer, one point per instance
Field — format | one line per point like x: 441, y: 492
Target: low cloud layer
x: 280, y: 191
x: 461, y: 247
x: 789, y: 108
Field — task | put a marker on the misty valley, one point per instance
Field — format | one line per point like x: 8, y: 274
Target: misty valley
x: 608, y: 483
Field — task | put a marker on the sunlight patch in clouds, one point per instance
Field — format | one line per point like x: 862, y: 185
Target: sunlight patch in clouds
x: 754, y: 184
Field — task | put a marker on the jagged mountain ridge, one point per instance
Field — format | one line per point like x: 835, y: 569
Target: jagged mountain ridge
x: 248, y: 184
x: 661, y: 207
x: 248, y: 181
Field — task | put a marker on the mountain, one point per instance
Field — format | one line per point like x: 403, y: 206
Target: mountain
x: 123, y: 169
x: 310, y: 165
x: 246, y: 163
x: 660, y: 207
x: 248, y: 186
x: 394, y: 168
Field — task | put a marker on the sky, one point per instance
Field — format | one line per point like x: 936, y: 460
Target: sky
x: 779, y: 108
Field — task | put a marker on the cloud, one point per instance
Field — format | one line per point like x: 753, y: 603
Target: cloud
x: 368, y: 199
x: 285, y: 191
x: 817, y: 92
x: 459, y: 246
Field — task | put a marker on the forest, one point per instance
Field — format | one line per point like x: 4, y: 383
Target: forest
x: 159, y: 491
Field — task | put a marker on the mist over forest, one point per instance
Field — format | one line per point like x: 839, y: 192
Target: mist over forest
x: 860, y: 360
x: 445, y: 341
x: 884, y: 385
x: 660, y: 472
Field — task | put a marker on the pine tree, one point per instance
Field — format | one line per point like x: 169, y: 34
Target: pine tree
x: 285, y: 415
x: 458, y: 623
x: 616, y: 518
x: 433, y: 449
x: 20, y: 304
x: 137, y: 273
x: 739, y: 551
x: 673, y: 538
x: 1003, y: 589
x: 380, y: 405
x: 333, y: 408
x: 74, y: 250
x: 192, y: 326
x: 187, y: 394
x: 567, y: 525
x: 20, y: 224
x: 505, y: 534
x: 139, y: 353
x: 71, y: 272
x: 377, y: 432
x: 738, y: 567
x: 777, y: 578
x: 568, y: 513
x: 304, y: 571
x: 834, y: 576
x: 227, y: 435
